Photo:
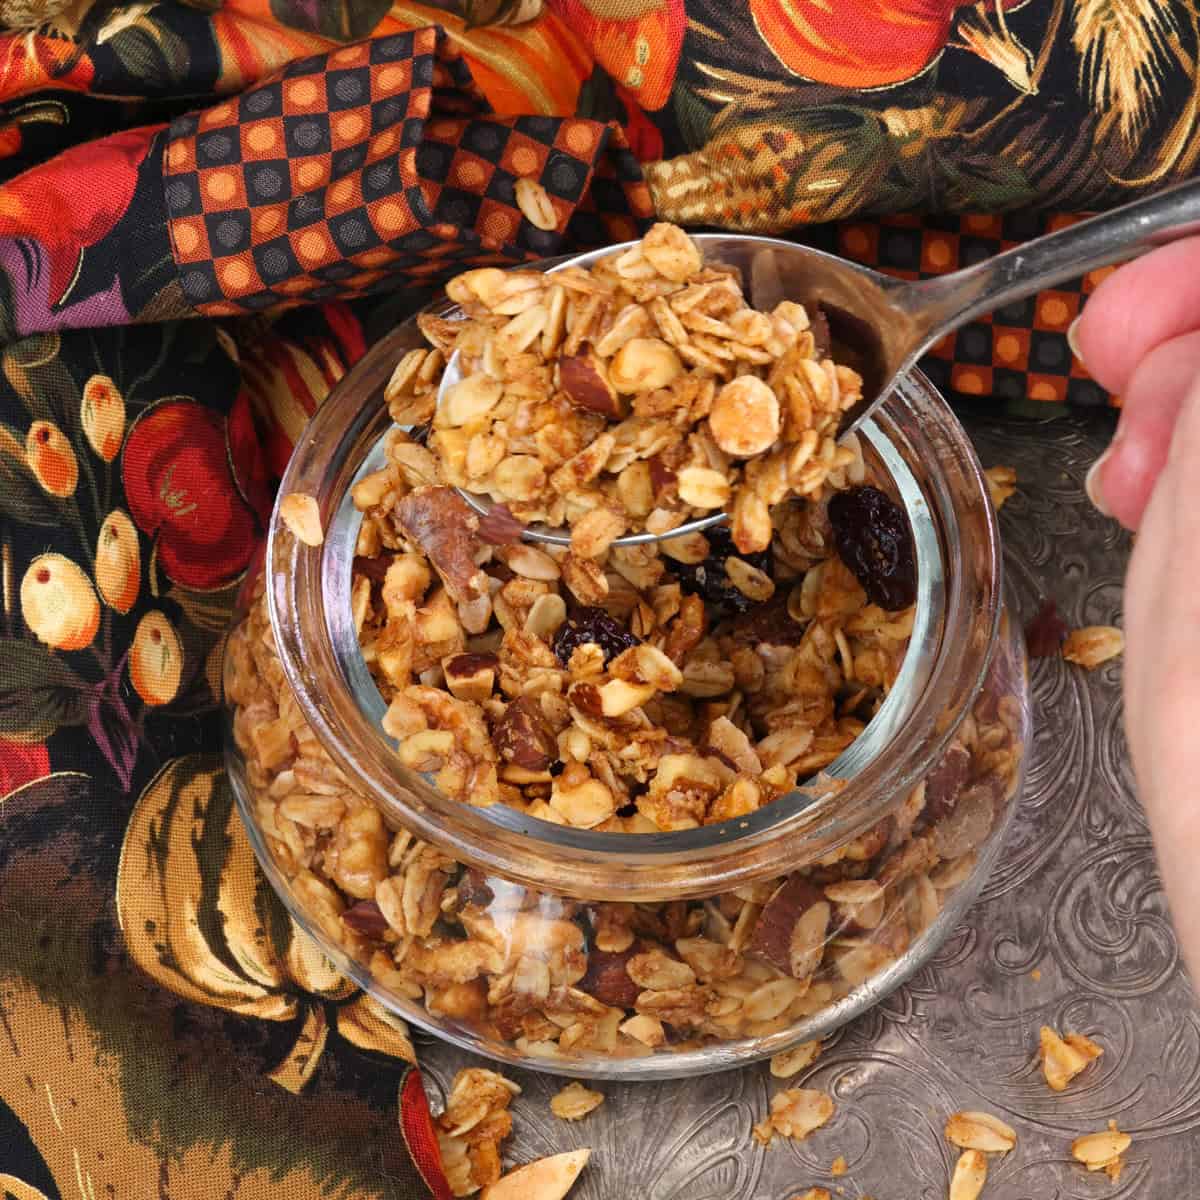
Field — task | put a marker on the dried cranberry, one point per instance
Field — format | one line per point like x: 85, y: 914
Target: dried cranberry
x: 585, y: 625
x: 1045, y: 634
x: 873, y: 539
x: 708, y: 579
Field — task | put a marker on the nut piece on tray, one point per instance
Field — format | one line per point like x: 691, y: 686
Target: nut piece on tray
x: 1064, y: 1058
x: 637, y: 394
x: 575, y: 1101
x: 1093, y: 645
x: 795, y: 1113
x: 546, y: 1179
x: 980, y: 1131
x: 970, y: 1174
x: 1102, y: 1151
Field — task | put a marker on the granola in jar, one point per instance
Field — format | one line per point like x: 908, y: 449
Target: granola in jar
x: 627, y: 690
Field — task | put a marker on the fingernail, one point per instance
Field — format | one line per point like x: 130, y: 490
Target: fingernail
x: 1073, y: 342
x: 1091, y: 483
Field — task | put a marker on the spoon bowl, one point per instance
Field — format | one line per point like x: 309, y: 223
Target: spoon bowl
x: 880, y: 326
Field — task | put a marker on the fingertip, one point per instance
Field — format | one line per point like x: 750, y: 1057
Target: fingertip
x: 1136, y: 308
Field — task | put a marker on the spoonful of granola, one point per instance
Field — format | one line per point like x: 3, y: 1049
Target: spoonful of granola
x: 644, y: 392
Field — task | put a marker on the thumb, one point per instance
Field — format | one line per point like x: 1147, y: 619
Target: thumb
x: 1122, y: 479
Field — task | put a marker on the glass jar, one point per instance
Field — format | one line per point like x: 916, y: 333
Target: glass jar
x: 614, y: 954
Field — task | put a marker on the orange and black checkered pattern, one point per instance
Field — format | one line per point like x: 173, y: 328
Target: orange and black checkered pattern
x: 1018, y: 353
x: 377, y: 162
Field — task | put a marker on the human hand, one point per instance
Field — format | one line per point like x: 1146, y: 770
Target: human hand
x: 1139, y: 336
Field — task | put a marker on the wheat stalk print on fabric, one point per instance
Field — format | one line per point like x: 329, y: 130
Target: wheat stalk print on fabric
x: 208, y: 212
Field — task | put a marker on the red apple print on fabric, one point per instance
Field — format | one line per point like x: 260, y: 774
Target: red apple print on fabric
x: 877, y: 43
x: 51, y: 204
x: 21, y: 763
x: 180, y: 489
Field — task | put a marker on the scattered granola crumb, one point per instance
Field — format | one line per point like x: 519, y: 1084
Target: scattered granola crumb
x: 795, y: 1113
x: 1063, y: 1058
x: 791, y: 1062
x: 1044, y: 635
x: 469, y: 1132
x: 1102, y: 1151
x: 838, y: 1166
x: 300, y: 514
x: 970, y: 1174
x: 1035, y: 975
x: 545, y: 1179
x: 1093, y: 645
x: 980, y: 1131
x: 1002, y: 483
x: 814, y: 1193
x: 575, y: 1101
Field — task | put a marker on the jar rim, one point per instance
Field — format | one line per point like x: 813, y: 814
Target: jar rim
x: 309, y: 607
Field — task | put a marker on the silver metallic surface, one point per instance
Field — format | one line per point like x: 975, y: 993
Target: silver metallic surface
x: 1074, y: 898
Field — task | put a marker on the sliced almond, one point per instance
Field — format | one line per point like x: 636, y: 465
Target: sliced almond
x: 535, y: 204
x: 300, y: 514
x: 1097, y: 1150
x: 1063, y: 1059
x: 1094, y: 645
x: 980, y: 1131
x: 853, y: 891
x: 575, y: 1101
x: 970, y: 1174
x: 546, y: 615
x: 703, y: 488
x: 469, y: 400
x: 546, y: 1179
x: 645, y: 1029
x: 791, y: 1062
x: 618, y: 697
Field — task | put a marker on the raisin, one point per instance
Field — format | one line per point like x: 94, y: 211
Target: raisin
x: 591, y: 625
x: 770, y: 623
x: 1045, y: 634
x: 873, y: 539
x: 708, y: 580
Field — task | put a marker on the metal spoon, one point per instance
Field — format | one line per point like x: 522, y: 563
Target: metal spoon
x: 881, y: 326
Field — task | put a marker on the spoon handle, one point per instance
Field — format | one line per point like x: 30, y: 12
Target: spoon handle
x: 938, y: 306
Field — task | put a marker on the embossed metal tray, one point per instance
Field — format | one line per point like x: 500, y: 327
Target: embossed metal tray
x: 1071, y: 930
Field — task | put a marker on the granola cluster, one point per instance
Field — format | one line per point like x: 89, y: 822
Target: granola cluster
x: 634, y: 395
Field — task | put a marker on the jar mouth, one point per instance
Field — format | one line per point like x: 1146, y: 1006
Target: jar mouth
x: 923, y: 456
